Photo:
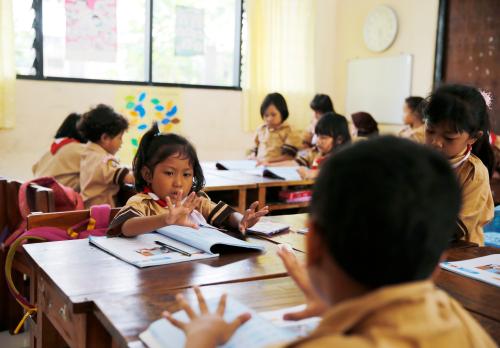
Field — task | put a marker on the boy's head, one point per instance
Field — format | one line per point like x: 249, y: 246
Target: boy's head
x: 102, y: 125
x: 274, y: 110
x: 321, y: 104
x: 382, y: 211
x: 332, y: 131
x: 412, y: 110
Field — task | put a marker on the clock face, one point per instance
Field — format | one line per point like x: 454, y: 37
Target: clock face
x: 381, y: 27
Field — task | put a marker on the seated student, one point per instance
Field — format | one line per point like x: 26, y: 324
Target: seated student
x: 321, y: 104
x: 100, y: 171
x: 370, y: 256
x: 365, y: 126
x: 169, y: 178
x: 62, y: 161
x: 414, y: 120
x: 275, y: 140
x: 332, y: 132
x: 457, y: 125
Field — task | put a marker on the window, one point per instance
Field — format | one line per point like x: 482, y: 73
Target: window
x: 181, y: 42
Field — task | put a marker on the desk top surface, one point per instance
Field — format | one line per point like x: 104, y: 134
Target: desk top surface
x: 125, y: 317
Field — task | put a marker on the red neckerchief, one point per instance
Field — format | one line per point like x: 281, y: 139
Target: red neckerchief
x: 60, y: 142
x: 161, y: 202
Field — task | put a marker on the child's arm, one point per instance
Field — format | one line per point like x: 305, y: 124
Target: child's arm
x: 307, y: 174
x: 177, y: 214
x: 250, y: 218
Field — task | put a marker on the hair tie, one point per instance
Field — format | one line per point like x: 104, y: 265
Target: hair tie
x: 488, y: 98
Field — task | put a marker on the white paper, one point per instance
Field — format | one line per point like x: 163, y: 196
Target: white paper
x: 485, y: 269
x: 257, y: 332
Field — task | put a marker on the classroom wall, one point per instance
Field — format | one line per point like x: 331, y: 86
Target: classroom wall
x: 417, y: 20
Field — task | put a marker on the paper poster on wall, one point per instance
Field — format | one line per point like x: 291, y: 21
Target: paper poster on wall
x: 189, y: 31
x: 142, y: 106
x: 91, y: 30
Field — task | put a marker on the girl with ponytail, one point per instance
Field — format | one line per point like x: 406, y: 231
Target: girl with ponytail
x: 458, y: 125
x: 169, y: 179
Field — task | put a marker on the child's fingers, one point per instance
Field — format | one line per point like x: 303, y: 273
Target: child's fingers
x: 177, y: 323
x: 201, y: 300
x: 254, y: 206
x: 170, y: 205
x: 185, y: 305
x: 221, y: 307
x: 236, y: 323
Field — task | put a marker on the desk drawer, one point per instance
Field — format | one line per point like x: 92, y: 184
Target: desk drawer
x: 58, y: 310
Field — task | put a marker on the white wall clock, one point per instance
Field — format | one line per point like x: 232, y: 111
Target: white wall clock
x: 380, y: 28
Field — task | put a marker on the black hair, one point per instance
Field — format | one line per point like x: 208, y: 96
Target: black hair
x: 155, y: 147
x: 400, y: 213
x: 278, y: 101
x: 415, y: 105
x: 335, y: 126
x: 101, y: 120
x: 365, y: 124
x: 68, y: 129
x: 322, y: 103
x: 465, y: 108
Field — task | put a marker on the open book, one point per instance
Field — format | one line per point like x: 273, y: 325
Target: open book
x: 250, y: 167
x: 256, y: 332
x: 268, y: 228
x: 171, y: 244
x: 485, y: 268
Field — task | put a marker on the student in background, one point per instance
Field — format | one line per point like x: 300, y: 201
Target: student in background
x: 169, y: 179
x: 320, y: 105
x: 62, y: 161
x: 100, y: 171
x: 275, y: 140
x: 365, y: 126
x: 332, y: 132
x: 457, y: 125
x: 414, y: 120
x: 370, y: 258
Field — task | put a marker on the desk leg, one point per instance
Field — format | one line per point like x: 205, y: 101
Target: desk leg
x: 242, y: 200
x: 46, y: 334
x: 262, y: 197
x: 33, y: 299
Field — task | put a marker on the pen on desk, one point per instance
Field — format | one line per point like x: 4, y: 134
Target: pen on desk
x: 172, y: 248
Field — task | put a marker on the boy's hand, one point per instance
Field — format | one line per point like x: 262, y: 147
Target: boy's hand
x: 315, y: 306
x: 206, y: 329
x: 303, y: 172
x: 179, y: 212
x: 251, y: 216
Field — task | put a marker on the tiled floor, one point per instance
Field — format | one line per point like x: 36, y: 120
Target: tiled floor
x: 17, y: 341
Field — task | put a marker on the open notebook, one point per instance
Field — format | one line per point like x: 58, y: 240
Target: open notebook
x: 250, y: 167
x: 257, y: 332
x: 144, y: 251
x: 485, y: 268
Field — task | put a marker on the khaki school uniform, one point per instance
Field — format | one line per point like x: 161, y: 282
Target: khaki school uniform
x: 64, y: 165
x: 477, y: 201
x: 270, y: 144
x: 143, y: 204
x: 310, y: 158
x: 309, y: 138
x: 100, y: 176
x: 411, y: 315
x: 416, y: 134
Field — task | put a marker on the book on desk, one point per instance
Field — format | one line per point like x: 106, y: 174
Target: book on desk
x: 250, y: 167
x: 172, y: 244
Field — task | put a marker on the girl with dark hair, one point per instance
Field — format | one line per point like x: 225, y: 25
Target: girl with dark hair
x: 457, y: 125
x: 413, y: 119
x: 62, y: 161
x: 320, y: 105
x: 169, y: 179
x: 364, y: 124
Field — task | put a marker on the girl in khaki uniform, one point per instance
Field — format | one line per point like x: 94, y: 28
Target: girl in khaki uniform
x: 275, y: 140
x: 169, y: 178
x: 457, y: 125
x: 100, y: 171
x: 413, y: 119
x: 62, y: 161
x: 372, y: 249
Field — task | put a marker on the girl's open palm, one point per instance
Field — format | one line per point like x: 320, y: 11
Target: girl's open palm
x: 179, y: 211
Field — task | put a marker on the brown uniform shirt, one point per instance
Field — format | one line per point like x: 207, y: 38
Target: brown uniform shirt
x: 477, y: 200
x: 309, y: 158
x: 100, y: 176
x: 64, y: 165
x: 415, y: 134
x: 143, y: 204
x: 416, y: 315
x: 270, y: 144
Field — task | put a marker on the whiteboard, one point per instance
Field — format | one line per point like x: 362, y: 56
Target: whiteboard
x: 379, y: 86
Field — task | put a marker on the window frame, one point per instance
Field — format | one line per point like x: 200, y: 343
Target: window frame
x: 38, y: 62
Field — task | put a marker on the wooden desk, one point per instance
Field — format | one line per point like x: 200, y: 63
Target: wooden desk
x: 125, y: 317
x: 72, y: 274
x: 292, y: 237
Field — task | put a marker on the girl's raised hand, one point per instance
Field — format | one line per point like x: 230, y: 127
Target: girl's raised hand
x: 179, y: 211
x: 252, y: 216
